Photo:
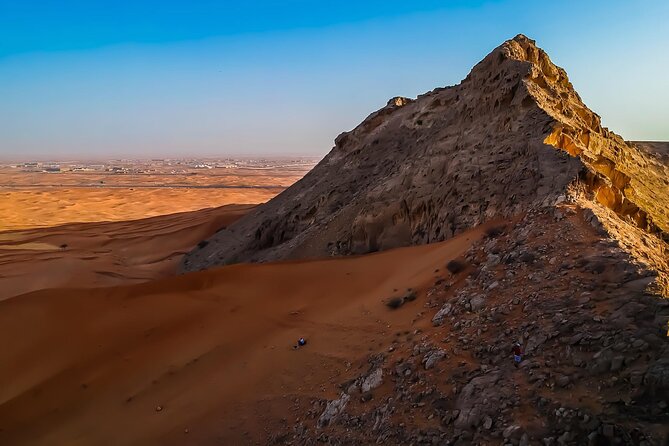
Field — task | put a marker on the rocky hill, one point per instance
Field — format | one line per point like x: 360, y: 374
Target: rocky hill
x: 511, y: 136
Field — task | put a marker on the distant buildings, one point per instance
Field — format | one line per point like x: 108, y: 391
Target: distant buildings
x: 117, y: 169
x: 38, y: 167
x: 157, y: 166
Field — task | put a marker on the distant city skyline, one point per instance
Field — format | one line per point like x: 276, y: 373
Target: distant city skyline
x: 96, y: 80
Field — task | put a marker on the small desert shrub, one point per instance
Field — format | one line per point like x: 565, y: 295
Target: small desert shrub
x: 279, y: 438
x: 495, y: 231
x: 395, y: 302
x: 410, y: 296
x: 419, y: 122
x: 527, y: 257
x: 202, y: 244
x: 63, y: 246
x: 455, y: 266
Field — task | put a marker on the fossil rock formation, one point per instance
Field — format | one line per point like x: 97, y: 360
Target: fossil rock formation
x: 512, y: 135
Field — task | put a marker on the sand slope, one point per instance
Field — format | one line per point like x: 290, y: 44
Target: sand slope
x: 104, y: 253
x: 210, y: 349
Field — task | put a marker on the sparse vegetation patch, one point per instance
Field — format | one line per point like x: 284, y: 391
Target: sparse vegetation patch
x: 395, y: 302
x: 455, y: 266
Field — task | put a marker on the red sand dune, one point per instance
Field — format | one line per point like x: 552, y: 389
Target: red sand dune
x: 104, y: 253
x: 212, y: 349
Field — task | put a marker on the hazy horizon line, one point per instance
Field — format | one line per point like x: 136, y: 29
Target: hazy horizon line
x: 120, y: 157
x: 181, y: 157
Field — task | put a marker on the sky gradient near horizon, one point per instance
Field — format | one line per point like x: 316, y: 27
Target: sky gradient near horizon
x: 96, y: 79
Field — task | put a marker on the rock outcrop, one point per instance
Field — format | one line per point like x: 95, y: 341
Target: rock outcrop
x: 511, y: 136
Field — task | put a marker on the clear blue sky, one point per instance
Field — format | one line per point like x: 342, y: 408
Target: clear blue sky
x: 163, y: 78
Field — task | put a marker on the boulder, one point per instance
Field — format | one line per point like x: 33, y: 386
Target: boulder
x: 432, y: 358
x: 438, y: 318
x: 372, y: 381
x: 477, y: 303
x: 332, y: 410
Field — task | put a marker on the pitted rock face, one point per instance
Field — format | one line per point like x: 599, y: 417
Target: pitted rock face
x: 421, y: 171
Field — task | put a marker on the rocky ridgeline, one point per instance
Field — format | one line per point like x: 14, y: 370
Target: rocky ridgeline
x: 510, y: 136
x: 596, y: 369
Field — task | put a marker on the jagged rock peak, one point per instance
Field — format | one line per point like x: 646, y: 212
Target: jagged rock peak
x: 420, y: 171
